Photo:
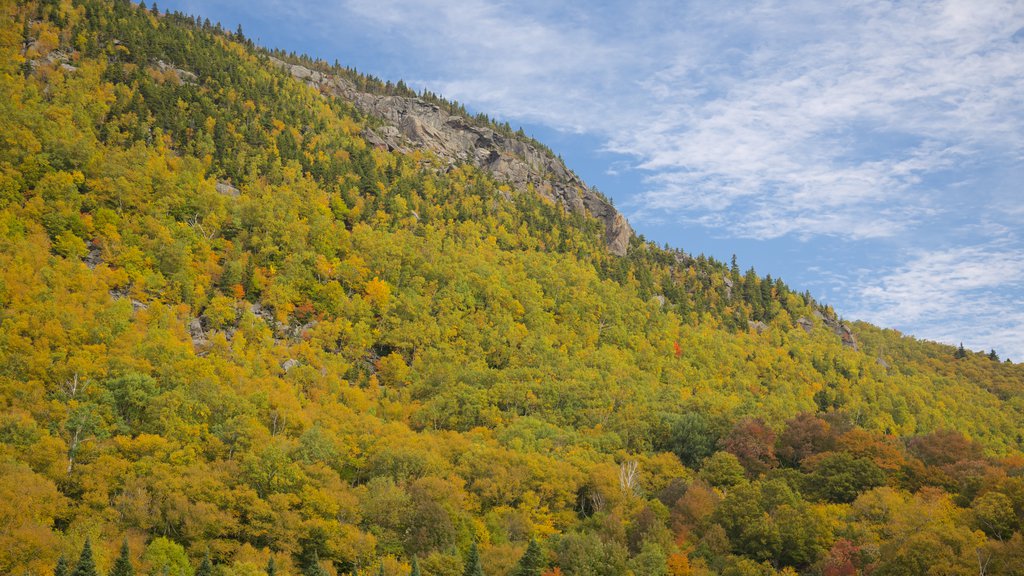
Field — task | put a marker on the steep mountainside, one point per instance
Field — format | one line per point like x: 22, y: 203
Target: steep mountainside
x: 414, y: 123
x: 252, y: 326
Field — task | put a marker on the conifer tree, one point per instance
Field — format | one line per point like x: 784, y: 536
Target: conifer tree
x: 271, y: 569
x: 62, y: 567
x: 205, y: 567
x: 960, y: 352
x: 473, y: 566
x: 86, y: 564
x: 532, y: 562
x: 314, y: 568
x: 415, y: 571
x: 123, y: 564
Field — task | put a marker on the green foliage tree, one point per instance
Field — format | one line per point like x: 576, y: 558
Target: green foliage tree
x: 723, y: 470
x: 61, y: 569
x: 532, y: 562
x: 994, y: 515
x: 473, y: 567
x: 123, y: 563
x: 86, y: 565
x: 205, y: 567
x: 841, y: 477
x: 167, y: 558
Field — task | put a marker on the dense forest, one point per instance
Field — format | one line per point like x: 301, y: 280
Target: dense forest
x: 236, y: 340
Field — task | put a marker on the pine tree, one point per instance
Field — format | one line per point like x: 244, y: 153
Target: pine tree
x: 62, y: 567
x: 205, y: 567
x: 86, y: 564
x: 123, y: 564
x: 532, y: 562
x: 415, y: 571
x: 381, y: 571
x: 960, y: 352
x: 271, y: 569
x: 473, y: 566
x: 314, y: 568
x: 993, y: 356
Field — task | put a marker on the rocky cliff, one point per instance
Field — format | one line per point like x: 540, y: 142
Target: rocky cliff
x: 415, y: 123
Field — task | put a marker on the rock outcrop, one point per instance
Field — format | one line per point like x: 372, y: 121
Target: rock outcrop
x: 839, y: 328
x: 416, y: 123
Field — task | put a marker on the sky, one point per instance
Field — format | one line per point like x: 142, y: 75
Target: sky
x: 871, y: 152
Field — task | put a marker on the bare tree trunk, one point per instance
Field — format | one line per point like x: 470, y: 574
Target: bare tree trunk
x: 629, y: 477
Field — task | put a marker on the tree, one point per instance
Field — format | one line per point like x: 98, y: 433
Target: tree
x: 271, y: 569
x: 722, y: 470
x: 693, y: 437
x: 532, y: 563
x: 806, y: 434
x: 993, y: 356
x: 473, y: 566
x: 960, y: 352
x: 123, y: 564
x: 62, y: 567
x: 415, y: 571
x: 753, y: 443
x: 840, y: 477
x: 167, y: 557
x: 205, y: 567
x: 86, y: 564
x: 314, y: 568
x: 994, y: 515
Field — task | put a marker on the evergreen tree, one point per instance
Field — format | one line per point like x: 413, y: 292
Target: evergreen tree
x: 62, y: 567
x: 532, y: 562
x: 415, y: 571
x: 381, y: 571
x: 314, y: 568
x: 960, y: 352
x: 123, y: 564
x: 993, y: 356
x: 271, y: 569
x: 205, y: 567
x: 473, y: 566
x: 86, y: 564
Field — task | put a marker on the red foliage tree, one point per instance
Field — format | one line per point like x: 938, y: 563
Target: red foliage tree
x: 753, y: 444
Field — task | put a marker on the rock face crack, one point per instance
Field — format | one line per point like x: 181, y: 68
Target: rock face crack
x: 415, y: 123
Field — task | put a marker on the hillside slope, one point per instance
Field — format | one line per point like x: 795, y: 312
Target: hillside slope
x: 240, y: 316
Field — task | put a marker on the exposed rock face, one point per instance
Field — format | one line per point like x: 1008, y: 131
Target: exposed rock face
x: 415, y: 123
x: 840, y: 329
x: 227, y: 189
x: 757, y: 326
x: 184, y: 76
x: 806, y: 324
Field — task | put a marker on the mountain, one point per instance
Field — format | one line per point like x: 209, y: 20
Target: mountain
x: 413, y: 123
x: 269, y: 312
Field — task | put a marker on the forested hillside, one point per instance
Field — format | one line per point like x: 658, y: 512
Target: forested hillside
x: 237, y: 339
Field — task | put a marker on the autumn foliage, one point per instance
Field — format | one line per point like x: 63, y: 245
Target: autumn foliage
x: 236, y: 338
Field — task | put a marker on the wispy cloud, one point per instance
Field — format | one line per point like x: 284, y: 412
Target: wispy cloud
x: 968, y: 294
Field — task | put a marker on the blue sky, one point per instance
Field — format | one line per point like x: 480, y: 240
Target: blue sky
x: 871, y: 152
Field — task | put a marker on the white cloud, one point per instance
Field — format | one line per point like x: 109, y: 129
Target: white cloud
x: 970, y: 294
